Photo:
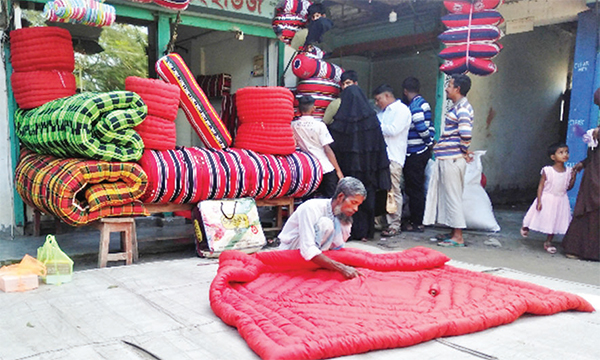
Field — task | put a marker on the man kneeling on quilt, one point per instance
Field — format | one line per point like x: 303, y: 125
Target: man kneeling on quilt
x: 324, y: 224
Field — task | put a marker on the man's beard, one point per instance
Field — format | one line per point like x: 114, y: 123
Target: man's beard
x: 343, y: 218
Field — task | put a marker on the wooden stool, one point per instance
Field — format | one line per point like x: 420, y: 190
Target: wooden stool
x: 279, y: 203
x: 129, y: 248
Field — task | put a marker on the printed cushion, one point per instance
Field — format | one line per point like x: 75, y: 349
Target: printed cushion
x: 199, y: 111
x: 466, y: 6
x: 35, y: 88
x: 157, y: 133
x: 161, y: 97
x: 41, y: 49
x: 465, y: 34
x: 485, y: 17
x: 474, y: 65
x: 266, y: 138
x: 306, y: 67
x: 271, y: 104
x: 483, y: 51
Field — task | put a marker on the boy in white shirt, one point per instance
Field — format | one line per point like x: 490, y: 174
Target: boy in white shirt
x: 312, y: 136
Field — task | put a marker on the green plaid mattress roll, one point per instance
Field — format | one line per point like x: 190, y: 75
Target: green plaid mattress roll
x: 92, y: 125
x: 79, y: 191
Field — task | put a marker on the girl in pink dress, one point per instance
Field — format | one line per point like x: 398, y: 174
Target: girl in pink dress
x: 550, y: 212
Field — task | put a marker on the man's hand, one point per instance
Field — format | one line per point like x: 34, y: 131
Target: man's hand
x: 350, y: 273
x: 469, y: 156
x: 325, y: 262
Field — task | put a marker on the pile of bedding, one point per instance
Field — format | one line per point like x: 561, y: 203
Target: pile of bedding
x: 288, y: 308
x: 79, y: 191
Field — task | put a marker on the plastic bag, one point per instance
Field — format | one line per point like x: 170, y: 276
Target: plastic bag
x: 477, y: 206
x: 390, y: 204
x: 59, y: 266
x: 22, y: 276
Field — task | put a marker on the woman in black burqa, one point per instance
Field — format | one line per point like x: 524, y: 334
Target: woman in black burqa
x: 360, y: 149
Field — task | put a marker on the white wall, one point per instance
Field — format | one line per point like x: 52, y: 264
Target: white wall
x: 525, y: 97
x: 6, y: 173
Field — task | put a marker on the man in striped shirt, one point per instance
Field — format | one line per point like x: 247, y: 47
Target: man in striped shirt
x: 420, y: 141
x: 444, y: 196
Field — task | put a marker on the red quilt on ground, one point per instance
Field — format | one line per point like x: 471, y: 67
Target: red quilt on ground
x: 287, y: 308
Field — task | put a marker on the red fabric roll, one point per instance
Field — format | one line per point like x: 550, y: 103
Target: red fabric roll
x: 157, y: 133
x: 161, y: 97
x: 266, y: 138
x: 249, y: 171
x: 215, y: 85
x: 264, y: 104
x: 306, y: 67
x: 318, y: 86
x: 35, y: 88
x: 41, y: 49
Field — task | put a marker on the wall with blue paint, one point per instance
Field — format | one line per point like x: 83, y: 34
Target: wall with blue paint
x: 586, y: 78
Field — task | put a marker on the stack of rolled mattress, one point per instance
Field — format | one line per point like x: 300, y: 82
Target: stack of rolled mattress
x: 158, y: 131
x: 265, y: 116
x: 190, y: 175
x: 79, y: 191
x: 324, y: 91
x: 43, y: 63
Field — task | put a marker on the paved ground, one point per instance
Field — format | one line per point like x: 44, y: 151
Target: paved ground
x: 161, y: 304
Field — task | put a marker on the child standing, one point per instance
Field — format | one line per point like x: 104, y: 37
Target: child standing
x: 312, y: 136
x: 550, y: 212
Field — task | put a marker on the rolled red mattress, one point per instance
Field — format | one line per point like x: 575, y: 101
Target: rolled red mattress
x: 157, y: 133
x: 41, y: 49
x: 161, y: 97
x: 266, y: 138
x: 271, y: 104
x: 35, y: 88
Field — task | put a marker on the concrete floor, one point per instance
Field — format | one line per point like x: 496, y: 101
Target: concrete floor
x: 160, y: 305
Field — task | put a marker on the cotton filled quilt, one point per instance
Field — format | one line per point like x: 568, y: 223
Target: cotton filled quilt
x: 80, y: 191
x: 287, y: 308
x: 91, y: 125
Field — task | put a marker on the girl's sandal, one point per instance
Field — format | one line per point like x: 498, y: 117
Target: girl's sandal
x: 549, y: 248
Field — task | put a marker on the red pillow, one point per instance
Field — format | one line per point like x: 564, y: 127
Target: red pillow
x: 465, y: 6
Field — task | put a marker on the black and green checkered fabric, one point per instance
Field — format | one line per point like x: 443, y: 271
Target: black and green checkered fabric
x: 91, y: 125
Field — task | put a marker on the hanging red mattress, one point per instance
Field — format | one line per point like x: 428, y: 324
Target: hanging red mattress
x: 466, y: 6
x: 485, y: 17
x: 287, y: 308
x: 306, y: 67
x: 198, y: 110
x: 482, y: 51
x: 466, y: 34
x: 44, y: 48
x: 476, y: 66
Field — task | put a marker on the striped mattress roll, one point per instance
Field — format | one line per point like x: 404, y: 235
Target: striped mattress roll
x: 198, y: 110
x: 306, y: 174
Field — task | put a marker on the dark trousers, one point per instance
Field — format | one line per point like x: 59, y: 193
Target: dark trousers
x: 414, y: 185
x: 328, y: 184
